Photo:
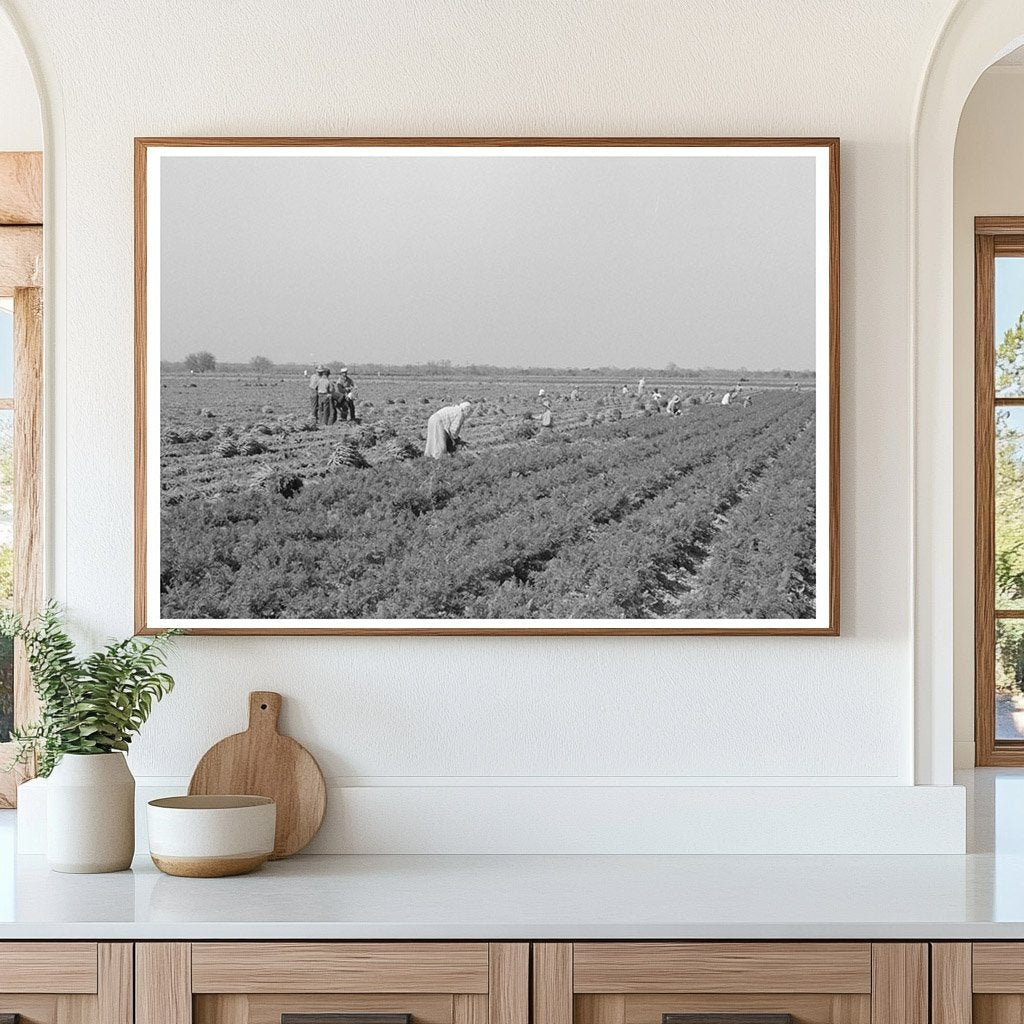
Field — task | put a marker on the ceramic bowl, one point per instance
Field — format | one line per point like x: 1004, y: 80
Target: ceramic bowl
x: 211, y: 836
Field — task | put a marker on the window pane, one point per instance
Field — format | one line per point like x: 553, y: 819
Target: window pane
x: 6, y: 353
x: 1009, y: 532
x: 1009, y: 679
x: 6, y: 567
x: 1009, y: 324
x: 6, y: 689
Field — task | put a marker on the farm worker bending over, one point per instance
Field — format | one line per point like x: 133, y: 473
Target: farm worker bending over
x: 326, y: 412
x: 673, y: 405
x: 443, y: 429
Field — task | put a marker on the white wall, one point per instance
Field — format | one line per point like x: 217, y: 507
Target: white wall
x: 450, y: 713
x: 987, y: 181
x: 20, y: 124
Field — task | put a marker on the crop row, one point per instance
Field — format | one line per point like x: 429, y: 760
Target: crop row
x: 508, y: 568
x: 473, y: 538
x: 762, y: 563
x: 622, y: 571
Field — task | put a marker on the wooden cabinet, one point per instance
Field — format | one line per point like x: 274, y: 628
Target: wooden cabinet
x: 752, y: 982
x: 308, y: 982
x: 978, y: 983
x: 494, y: 983
x: 66, y: 982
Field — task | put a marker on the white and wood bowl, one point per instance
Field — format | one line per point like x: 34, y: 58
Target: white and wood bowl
x: 211, y: 836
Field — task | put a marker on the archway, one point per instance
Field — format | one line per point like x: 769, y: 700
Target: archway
x: 977, y: 33
x: 21, y: 263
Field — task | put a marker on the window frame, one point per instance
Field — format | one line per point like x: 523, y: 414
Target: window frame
x: 993, y: 237
x: 27, y: 405
x: 21, y: 278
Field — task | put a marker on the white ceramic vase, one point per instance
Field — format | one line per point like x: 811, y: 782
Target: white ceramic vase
x: 90, y: 814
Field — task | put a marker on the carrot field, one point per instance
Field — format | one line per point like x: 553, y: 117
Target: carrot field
x: 618, y: 511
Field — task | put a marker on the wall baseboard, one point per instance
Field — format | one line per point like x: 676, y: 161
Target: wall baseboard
x: 717, y: 820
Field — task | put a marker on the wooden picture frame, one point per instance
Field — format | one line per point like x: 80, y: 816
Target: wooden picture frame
x: 152, y: 153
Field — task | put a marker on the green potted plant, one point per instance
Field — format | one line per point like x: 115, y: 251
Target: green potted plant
x: 90, y: 708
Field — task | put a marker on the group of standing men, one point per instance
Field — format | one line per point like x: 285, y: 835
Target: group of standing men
x: 331, y: 400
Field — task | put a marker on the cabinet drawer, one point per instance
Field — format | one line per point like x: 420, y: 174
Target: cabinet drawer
x: 730, y: 983
x: 998, y: 967
x: 332, y: 983
x: 66, y: 982
x: 65, y: 967
x: 635, y: 967
x: 340, y: 967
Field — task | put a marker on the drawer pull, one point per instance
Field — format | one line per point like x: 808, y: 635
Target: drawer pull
x: 339, y: 1018
x: 727, y: 1018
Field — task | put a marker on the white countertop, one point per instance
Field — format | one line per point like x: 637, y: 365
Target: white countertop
x: 977, y: 896
x: 516, y: 897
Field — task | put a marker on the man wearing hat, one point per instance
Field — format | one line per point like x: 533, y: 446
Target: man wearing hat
x: 314, y: 396
x: 345, y: 388
x: 326, y: 411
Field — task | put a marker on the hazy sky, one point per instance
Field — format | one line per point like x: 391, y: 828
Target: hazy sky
x: 1009, y: 294
x: 555, y: 261
x: 6, y: 354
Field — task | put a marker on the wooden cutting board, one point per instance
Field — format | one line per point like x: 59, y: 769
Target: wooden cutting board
x: 262, y: 762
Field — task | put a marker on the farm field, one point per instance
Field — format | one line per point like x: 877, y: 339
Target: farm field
x: 618, y: 511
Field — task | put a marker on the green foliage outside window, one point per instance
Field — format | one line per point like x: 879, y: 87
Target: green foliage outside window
x: 1009, y: 656
x: 6, y: 572
x: 1009, y: 509
x: 1010, y: 361
x: 6, y: 688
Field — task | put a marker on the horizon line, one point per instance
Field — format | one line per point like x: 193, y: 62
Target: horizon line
x: 439, y: 367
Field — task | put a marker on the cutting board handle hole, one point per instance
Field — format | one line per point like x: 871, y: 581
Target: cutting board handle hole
x: 263, y: 707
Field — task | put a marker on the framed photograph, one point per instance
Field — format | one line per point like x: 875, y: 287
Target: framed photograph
x: 493, y: 386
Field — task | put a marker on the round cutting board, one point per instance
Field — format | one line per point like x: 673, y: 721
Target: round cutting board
x: 262, y: 762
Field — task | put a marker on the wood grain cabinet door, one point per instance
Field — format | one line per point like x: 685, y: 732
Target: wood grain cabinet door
x: 978, y: 983
x: 332, y: 983
x: 66, y: 982
x: 730, y: 983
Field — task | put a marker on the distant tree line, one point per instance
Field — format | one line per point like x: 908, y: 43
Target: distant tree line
x: 204, y: 362
x: 200, y: 362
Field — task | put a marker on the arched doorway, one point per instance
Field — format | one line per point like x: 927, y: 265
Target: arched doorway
x: 21, y: 251
x: 976, y: 34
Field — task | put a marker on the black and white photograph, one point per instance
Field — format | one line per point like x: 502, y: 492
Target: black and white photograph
x: 471, y: 386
